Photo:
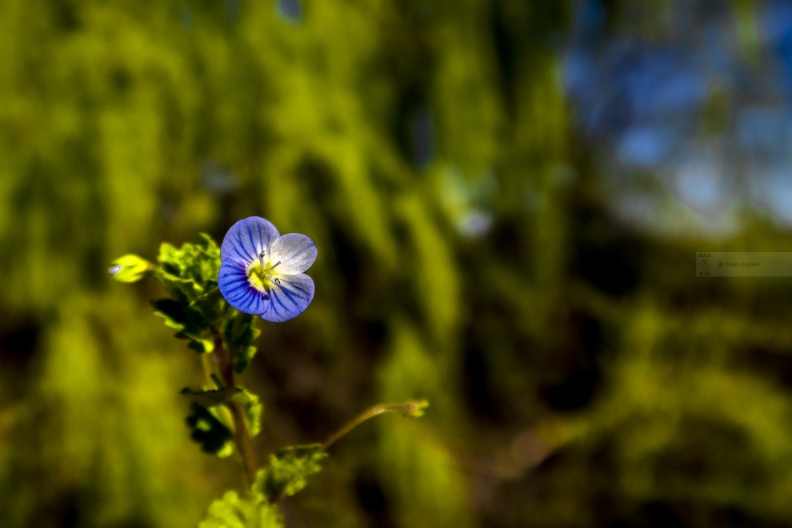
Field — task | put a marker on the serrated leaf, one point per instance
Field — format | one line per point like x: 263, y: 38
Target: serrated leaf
x: 242, y: 358
x: 168, y: 259
x: 185, y: 290
x: 130, y: 268
x: 233, y: 511
x: 191, y: 270
x: 191, y: 324
x: 207, y: 243
x: 288, y: 470
x: 239, y: 335
x: 208, y: 431
x: 210, y: 305
x: 189, y: 274
x: 251, y: 409
x: 173, y: 312
x: 210, y: 265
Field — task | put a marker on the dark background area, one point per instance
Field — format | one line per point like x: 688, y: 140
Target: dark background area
x: 507, y: 197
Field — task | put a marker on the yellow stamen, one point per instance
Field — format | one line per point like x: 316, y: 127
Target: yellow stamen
x: 260, y: 276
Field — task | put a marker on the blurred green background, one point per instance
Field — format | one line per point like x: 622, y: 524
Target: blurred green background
x: 473, y: 250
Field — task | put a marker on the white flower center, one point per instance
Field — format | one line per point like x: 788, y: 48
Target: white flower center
x: 260, y: 273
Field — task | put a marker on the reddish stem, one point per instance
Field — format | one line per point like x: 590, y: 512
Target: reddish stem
x: 244, y: 444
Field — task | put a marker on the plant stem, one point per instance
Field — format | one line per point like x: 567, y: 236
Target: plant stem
x: 411, y: 408
x: 241, y: 434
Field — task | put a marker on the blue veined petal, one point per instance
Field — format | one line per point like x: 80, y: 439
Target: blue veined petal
x: 247, y: 238
x: 235, y: 287
x: 295, y: 252
x: 289, y: 298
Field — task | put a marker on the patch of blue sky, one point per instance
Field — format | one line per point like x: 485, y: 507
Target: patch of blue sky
x: 780, y: 194
x: 774, y: 18
x: 645, y: 146
x: 703, y: 184
x: 762, y: 131
x: 640, y: 101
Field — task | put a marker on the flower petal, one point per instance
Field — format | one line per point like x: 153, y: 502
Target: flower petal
x: 295, y: 252
x: 289, y: 298
x: 247, y: 239
x: 235, y: 287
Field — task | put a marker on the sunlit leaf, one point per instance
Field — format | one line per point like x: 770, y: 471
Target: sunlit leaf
x: 233, y: 511
x: 288, y: 470
x: 251, y: 409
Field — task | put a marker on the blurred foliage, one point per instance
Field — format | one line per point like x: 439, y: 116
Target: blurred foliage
x: 579, y: 374
x: 235, y: 511
x: 285, y: 472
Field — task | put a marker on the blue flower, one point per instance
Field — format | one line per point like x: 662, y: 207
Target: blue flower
x: 262, y: 272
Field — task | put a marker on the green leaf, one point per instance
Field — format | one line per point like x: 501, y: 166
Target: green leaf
x: 173, y: 312
x: 251, y: 409
x: 189, y: 274
x: 208, y: 431
x: 211, y: 305
x: 212, y: 398
x: 130, y: 268
x: 190, y: 323
x: 190, y: 271
x: 233, y: 511
x: 239, y: 335
x: 182, y: 289
x: 200, y: 345
x: 288, y: 470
